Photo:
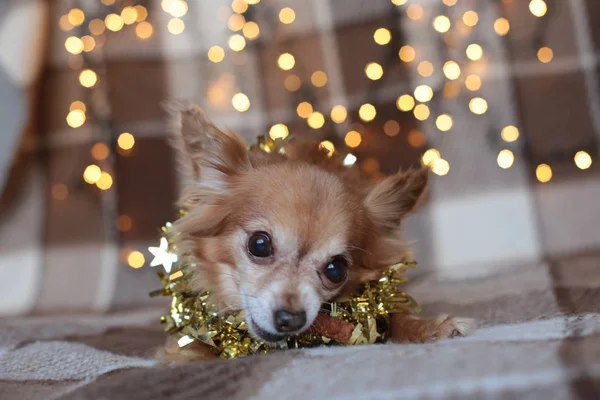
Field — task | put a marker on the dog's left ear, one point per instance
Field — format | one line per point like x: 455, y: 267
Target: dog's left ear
x: 393, y: 198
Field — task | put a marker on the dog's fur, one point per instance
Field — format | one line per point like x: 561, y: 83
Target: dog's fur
x: 313, y: 209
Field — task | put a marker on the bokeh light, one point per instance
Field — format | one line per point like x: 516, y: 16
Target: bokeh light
x: 451, y: 70
x: 126, y: 141
x: 509, y: 133
x: 382, y: 36
x: 279, y: 131
x: 421, y: 112
x: 367, y: 112
x: 391, y: 128
x: 240, y: 102
x: 286, y: 61
x: 478, y: 105
x: 505, y: 159
x: 583, y: 160
x: 318, y: 78
x: 405, y: 102
x: 373, y: 71
x: 543, y: 173
x: 287, y: 15
x: 338, y: 114
x: 353, y: 139
x: 216, y: 54
x: 444, y: 122
x: 304, y: 109
x: 135, y: 259
x: 88, y: 78
x: 316, y: 120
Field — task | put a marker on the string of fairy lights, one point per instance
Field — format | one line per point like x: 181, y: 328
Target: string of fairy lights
x: 88, y: 33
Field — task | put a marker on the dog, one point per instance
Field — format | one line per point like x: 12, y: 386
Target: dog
x: 279, y: 234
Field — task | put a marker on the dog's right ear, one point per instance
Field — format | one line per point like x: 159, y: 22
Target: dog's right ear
x: 209, y: 157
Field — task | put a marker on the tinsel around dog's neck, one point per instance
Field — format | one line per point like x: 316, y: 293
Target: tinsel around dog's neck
x: 361, y: 319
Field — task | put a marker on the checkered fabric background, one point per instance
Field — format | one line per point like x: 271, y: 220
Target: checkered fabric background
x: 65, y: 254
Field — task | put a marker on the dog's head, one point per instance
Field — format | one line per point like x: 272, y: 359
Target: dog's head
x: 279, y: 235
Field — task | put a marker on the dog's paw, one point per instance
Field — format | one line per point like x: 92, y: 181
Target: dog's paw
x: 449, y: 327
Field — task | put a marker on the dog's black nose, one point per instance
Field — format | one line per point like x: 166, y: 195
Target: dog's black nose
x: 286, y: 321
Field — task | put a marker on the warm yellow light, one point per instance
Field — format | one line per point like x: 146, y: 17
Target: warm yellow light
x: 353, y: 139
x: 239, y: 6
x: 240, y: 102
x: 583, y: 160
x: 236, y: 22
x: 286, y: 61
x: 318, y: 78
x: 105, y: 182
x: 501, y: 26
x: 251, y: 30
x: 382, y: 36
x: 425, y: 68
x: 236, y: 42
x: 391, y: 128
x: 416, y: 138
x: 178, y: 8
x: 470, y: 18
x: 423, y: 93
x: 373, y: 71
x: 405, y: 102
x: 176, y: 26
x: 100, y: 151
x: 370, y: 165
x: 142, y: 13
x: 97, y: 27
x: 287, y: 15
x: 144, y: 30
x: 279, y: 131
x: 135, y: 259
x: 304, y: 109
x: 338, y: 114
x: 414, y: 11
x: 129, y: 15
x: 474, y: 52
x: 126, y: 141
x: 74, y: 45
x: 545, y: 54
x: 124, y: 223
x: 505, y: 159
x: 92, y: 174
x: 450, y: 3
x: 441, y: 23
x: 76, y: 16
x: 399, y: 2
x: 216, y: 54
x: 75, y: 118
x: 451, y: 70
x: 64, y: 24
x: 252, y: 1
x: 108, y: 2
x: 367, y: 112
x: 78, y: 105
x: 421, y: 112
x: 407, y: 53
x: 509, y: 133
x: 538, y: 7
x: 292, y: 83
x: 88, y: 78
x: 444, y: 122
x: 316, y: 120
x: 327, y: 145
x: 113, y: 22
x: 430, y: 156
x: 60, y: 191
x: 543, y: 173
x: 473, y: 82
x: 89, y: 43
x: 440, y: 167
x: 478, y: 106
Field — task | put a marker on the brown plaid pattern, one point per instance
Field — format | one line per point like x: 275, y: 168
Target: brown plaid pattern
x: 493, y: 244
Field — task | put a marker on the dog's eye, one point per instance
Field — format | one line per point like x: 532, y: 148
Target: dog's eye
x: 259, y: 245
x: 336, y: 270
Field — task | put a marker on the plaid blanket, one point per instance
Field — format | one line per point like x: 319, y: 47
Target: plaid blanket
x: 539, y: 338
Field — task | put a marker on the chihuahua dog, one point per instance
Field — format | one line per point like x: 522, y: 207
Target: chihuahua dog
x: 279, y: 234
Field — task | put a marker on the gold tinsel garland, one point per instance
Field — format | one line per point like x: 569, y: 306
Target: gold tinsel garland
x: 194, y: 318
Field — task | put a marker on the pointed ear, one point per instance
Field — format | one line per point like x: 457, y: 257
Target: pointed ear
x: 396, y: 196
x: 208, y: 157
